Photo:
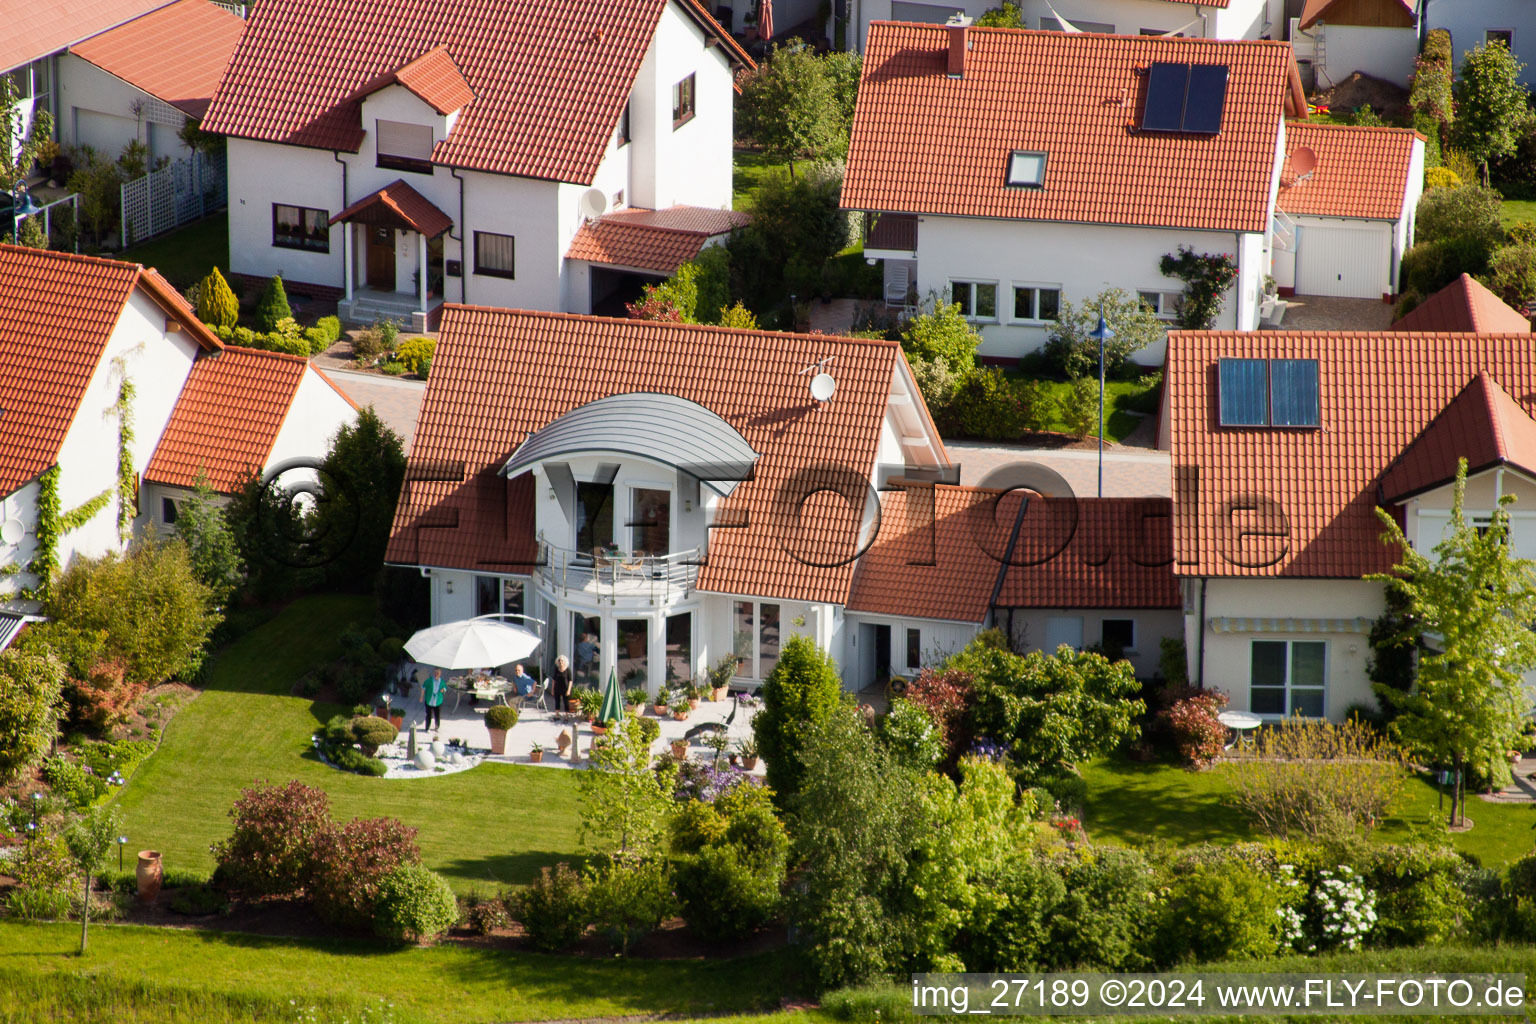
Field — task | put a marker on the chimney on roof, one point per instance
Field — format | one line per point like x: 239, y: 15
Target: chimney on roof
x: 959, y: 29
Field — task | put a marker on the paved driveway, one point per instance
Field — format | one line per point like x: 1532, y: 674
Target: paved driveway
x: 1327, y: 313
x: 396, y: 401
x: 1127, y: 474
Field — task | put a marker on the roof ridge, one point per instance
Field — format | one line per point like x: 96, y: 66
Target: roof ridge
x: 248, y: 350
x: 68, y: 256
x: 664, y: 325
x: 1054, y: 34
x: 1324, y: 126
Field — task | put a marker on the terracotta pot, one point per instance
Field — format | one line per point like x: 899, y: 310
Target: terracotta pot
x: 693, y: 702
x: 381, y: 712
x: 719, y: 692
x: 536, y: 756
x: 149, y: 875
x: 498, y: 740
x: 397, y: 719
x: 660, y: 709
x: 633, y: 709
x: 563, y: 741
x: 749, y: 763
x: 679, y: 716
x: 599, y: 730
x: 679, y: 749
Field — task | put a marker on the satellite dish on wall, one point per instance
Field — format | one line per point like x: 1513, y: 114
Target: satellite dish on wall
x: 1304, y: 162
x: 594, y: 203
x: 823, y: 386
x: 11, y: 532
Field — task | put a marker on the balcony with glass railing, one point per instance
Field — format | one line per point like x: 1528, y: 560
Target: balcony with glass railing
x: 614, y: 574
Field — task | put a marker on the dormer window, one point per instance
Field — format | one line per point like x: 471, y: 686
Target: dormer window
x: 1269, y: 393
x: 1026, y: 169
x: 404, y: 147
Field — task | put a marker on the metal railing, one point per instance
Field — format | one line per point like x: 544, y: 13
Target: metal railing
x: 654, y: 577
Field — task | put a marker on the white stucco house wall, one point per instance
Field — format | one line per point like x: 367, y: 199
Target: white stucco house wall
x: 1474, y: 23
x: 119, y: 71
x: 399, y: 170
x: 1285, y: 445
x: 1211, y: 19
x: 1012, y: 171
x: 1336, y: 38
x: 1348, y: 198
x: 73, y: 331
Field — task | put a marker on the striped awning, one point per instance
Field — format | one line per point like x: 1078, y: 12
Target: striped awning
x: 1227, y: 624
x: 10, y: 625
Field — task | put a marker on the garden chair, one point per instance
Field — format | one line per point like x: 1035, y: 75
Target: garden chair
x: 534, y: 698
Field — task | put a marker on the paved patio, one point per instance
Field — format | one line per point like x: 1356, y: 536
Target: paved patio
x: 1327, y: 313
x: 467, y: 722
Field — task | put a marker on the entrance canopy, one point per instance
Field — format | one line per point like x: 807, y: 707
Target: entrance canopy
x: 399, y: 206
x: 663, y: 428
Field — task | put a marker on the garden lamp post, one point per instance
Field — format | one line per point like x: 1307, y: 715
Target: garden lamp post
x: 122, y: 841
x: 1103, y: 333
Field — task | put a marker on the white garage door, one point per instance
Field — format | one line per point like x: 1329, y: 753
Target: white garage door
x: 107, y: 134
x: 1347, y: 261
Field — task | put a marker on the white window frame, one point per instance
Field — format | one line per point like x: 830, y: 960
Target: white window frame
x: 1133, y: 646
x: 1510, y: 31
x: 1290, y: 686
x: 973, y: 285
x: 907, y: 643
x: 1038, y: 286
x: 1166, y: 307
x: 756, y: 656
x: 640, y: 484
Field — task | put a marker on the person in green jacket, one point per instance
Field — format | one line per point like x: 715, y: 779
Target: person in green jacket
x: 432, y: 693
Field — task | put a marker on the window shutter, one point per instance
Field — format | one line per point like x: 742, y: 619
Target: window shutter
x: 411, y: 141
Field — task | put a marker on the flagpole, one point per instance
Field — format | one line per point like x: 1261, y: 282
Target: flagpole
x: 1102, y: 332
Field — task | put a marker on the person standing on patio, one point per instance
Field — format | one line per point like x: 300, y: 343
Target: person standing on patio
x: 560, y: 683
x: 432, y: 693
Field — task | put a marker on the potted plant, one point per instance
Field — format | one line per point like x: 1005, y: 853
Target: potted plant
x: 680, y: 749
x: 397, y: 717
x: 634, y: 700
x: 662, y: 697
x: 747, y: 748
x: 536, y: 755
x: 720, y: 674
x: 695, y: 694
x: 601, y: 728
x: 718, y: 742
x: 381, y: 708
x: 680, y: 709
x: 498, y: 722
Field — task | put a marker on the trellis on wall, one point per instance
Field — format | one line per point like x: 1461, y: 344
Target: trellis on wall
x: 182, y: 191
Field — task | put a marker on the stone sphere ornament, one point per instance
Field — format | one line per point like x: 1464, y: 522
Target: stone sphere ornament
x: 438, y: 749
x: 425, y: 760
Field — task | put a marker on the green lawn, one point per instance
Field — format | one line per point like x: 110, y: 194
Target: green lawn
x: 1133, y: 803
x: 1125, y: 398
x: 185, y: 256
x: 494, y: 824
x: 752, y: 169
x: 1517, y: 211
x: 171, y: 974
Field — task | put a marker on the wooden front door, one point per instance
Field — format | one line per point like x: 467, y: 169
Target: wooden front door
x: 381, y: 258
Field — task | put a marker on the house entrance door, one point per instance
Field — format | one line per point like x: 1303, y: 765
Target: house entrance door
x: 381, y: 258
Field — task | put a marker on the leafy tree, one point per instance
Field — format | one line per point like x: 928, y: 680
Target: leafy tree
x: 738, y: 317
x: 90, y: 840
x: 1052, y: 710
x: 31, y: 689
x: 216, y: 302
x: 802, y: 690
x: 1471, y: 212
x: 856, y: 821
x: 628, y: 900
x: 1512, y: 274
x: 791, y: 107
x: 1474, y: 602
x: 1430, y: 92
x: 267, y: 528
x: 99, y: 183
x: 156, y: 614
x: 215, y: 556
x: 361, y: 477
x: 1394, y: 640
x: 26, y: 147
x: 272, y: 306
x: 30, y: 233
x: 1490, y: 104
x: 796, y: 228
x: 624, y: 807
x: 1072, y: 350
x: 678, y: 294
x: 941, y: 332
x: 1006, y: 16
x: 844, y: 67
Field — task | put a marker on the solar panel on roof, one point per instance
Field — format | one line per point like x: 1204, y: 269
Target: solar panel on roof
x: 1293, y: 393
x: 1205, y: 99
x: 1243, y: 394
x: 1166, y: 85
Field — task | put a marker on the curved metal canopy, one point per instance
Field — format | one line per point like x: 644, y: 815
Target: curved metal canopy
x: 650, y: 425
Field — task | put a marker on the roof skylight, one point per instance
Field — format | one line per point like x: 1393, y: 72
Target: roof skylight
x: 1026, y: 169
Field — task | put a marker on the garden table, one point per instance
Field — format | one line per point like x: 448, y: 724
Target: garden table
x: 1241, y: 723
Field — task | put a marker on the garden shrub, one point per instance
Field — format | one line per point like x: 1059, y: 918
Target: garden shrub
x: 414, y: 351
x: 72, y: 782
x: 323, y: 335
x: 372, y: 732
x: 1192, y: 725
x: 46, y: 877
x: 945, y: 694
x: 1011, y: 929
x: 1441, y: 177
x: 1317, y: 778
x: 1421, y: 893
x: 272, y: 849
x: 1407, y: 302
x: 1103, y: 920
x: 414, y: 904
x: 911, y: 736
x: 1468, y: 212
x: 552, y: 909
x: 1340, y: 910
x: 1225, y: 911
x: 938, y: 382
x: 484, y: 914
x: 803, y: 689
x: 1071, y: 351
x: 988, y: 404
x: 627, y: 900
x: 272, y: 305
x: 1512, y: 275
x: 942, y: 333
x: 368, y: 344
x: 501, y: 717
x: 199, y: 900
x: 216, y: 302
x: 695, y: 825
x: 726, y: 894
x: 1207, y: 276
x: 1080, y: 407
x: 1519, y: 897
x: 31, y: 696
x: 880, y: 1001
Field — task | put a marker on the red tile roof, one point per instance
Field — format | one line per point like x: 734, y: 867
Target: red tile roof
x: 1482, y: 425
x: 930, y: 559
x: 1464, y: 305
x: 56, y: 313
x: 659, y: 240
x: 927, y: 143
x: 549, y: 79
x: 1376, y: 12
x: 1301, y: 503
x: 227, y: 418
x: 1093, y: 553
x: 177, y: 53
x: 1361, y: 171
x: 500, y: 375
x: 435, y: 78
x: 32, y: 30
x: 398, y: 205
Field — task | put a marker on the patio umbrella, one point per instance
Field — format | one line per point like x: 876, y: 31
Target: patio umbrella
x: 472, y: 643
x: 613, y: 706
x: 765, y: 19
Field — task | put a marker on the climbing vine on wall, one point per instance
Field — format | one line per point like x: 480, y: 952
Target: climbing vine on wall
x: 127, y: 503
x: 45, y: 560
x: 1207, y: 276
